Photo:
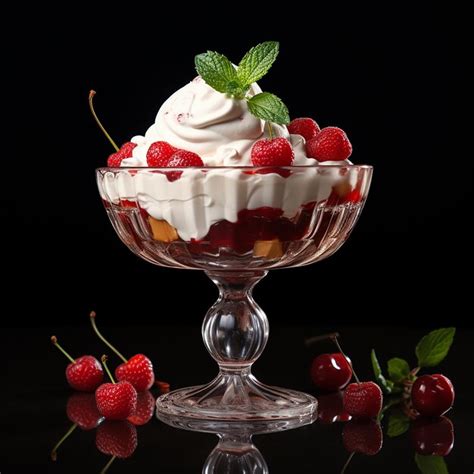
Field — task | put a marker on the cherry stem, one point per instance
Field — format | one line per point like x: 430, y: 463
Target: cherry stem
x: 334, y: 339
x: 323, y: 337
x: 103, y: 359
x: 349, y: 459
x: 91, y: 106
x: 270, y: 130
x: 54, y: 340
x: 54, y: 454
x: 106, y: 467
x: 92, y: 318
x: 415, y: 371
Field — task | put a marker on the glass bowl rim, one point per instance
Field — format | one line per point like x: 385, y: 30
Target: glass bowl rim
x: 102, y: 169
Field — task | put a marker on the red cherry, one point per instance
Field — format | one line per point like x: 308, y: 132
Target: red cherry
x: 363, y: 399
x: 432, y: 395
x: 362, y: 436
x: 331, y: 371
x: 84, y: 373
x: 331, y: 408
x: 138, y: 370
x: 432, y: 436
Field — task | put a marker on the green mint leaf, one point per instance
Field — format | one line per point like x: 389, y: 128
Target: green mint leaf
x: 269, y: 107
x: 434, y: 347
x: 386, y: 385
x: 218, y: 72
x: 431, y: 464
x: 398, y: 423
x: 398, y: 369
x: 257, y: 62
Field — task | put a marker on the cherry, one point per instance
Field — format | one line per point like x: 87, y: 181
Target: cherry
x: 331, y: 409
x: 99, y: 123
x: 432, y: 436
x: 432, y: 395
x: 331, y: 371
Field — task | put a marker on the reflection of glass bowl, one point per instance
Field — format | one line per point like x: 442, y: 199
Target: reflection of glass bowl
x: 235, y: 224
x: 235, y: 451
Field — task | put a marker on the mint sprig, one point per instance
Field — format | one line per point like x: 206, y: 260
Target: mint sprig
x: 219, y: 73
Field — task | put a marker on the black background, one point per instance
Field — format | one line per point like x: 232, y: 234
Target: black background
x: 391, y: 74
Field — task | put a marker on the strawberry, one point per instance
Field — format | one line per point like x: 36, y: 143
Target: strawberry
x: 182, y: 159
x: 138, y: 370
x: 272, y: 152
x: 363, y: 399
x: 116, y: 401
x: 145, y: 409
x: 362, y: 436
x: 82, y: 410
x: 159, y: 153
x: 306, y: 127
x: 84, y: 373
x: 330, y: 144
x: 116, y: 438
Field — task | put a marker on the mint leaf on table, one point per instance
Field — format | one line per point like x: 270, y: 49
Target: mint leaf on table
x: 269, y: 107
x: 398, y: 423
x: 431, y: 464
x: 434, y: 347
x: 398, y: 369
x: 218, y: 72
x: 257, y: 62
x: 386, y: 385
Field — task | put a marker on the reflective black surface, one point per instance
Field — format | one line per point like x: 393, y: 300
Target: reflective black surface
x: 34, y: 417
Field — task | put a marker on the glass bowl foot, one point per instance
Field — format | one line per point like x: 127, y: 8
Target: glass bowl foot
x: 237, y: 397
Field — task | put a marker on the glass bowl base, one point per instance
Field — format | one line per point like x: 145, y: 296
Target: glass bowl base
x: 233, y: 397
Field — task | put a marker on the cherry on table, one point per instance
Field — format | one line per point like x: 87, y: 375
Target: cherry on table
x: 331, y: 371
x: 432, y: 395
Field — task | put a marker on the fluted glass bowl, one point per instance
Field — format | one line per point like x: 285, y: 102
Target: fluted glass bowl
x: 235, y: 223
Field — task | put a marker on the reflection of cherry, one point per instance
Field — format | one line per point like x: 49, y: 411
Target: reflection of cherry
x: 117, y: 439
x: 432, y: 395
x: 362, y: 436
x: 145, y: 409
x: 331, y: 409
x: 331, y: 371
x: 82, y: 410
x: 432, y: 436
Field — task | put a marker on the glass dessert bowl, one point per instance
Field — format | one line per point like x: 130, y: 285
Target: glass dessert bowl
x: 235, y: 223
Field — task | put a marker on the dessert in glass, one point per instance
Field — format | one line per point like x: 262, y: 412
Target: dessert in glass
x: 219, y: 183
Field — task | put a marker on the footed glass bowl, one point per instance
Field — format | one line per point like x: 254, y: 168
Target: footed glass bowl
x: 235, y: 223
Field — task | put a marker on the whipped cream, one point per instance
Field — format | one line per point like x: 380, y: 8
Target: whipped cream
x: 220, y: 129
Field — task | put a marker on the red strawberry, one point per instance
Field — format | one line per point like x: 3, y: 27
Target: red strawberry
x: 362, y: 436
x: 116, y: 401
x: 116, y: 438
x: 115, y: 159
x: 272, y: 152
x: 306, y: 127
x: 182, y: 159
x: 330, y: 144
x: 138, y: 370
x: 145, y: 409
x: 159, y: 153
x: 363, y: 399
x: 84, y: 373
x: 82, y: 410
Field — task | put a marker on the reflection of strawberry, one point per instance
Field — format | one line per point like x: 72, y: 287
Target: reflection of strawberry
x: 82, y: 410
x: 116, y: 438
x: 145, y: 409
x: 362, y: 436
